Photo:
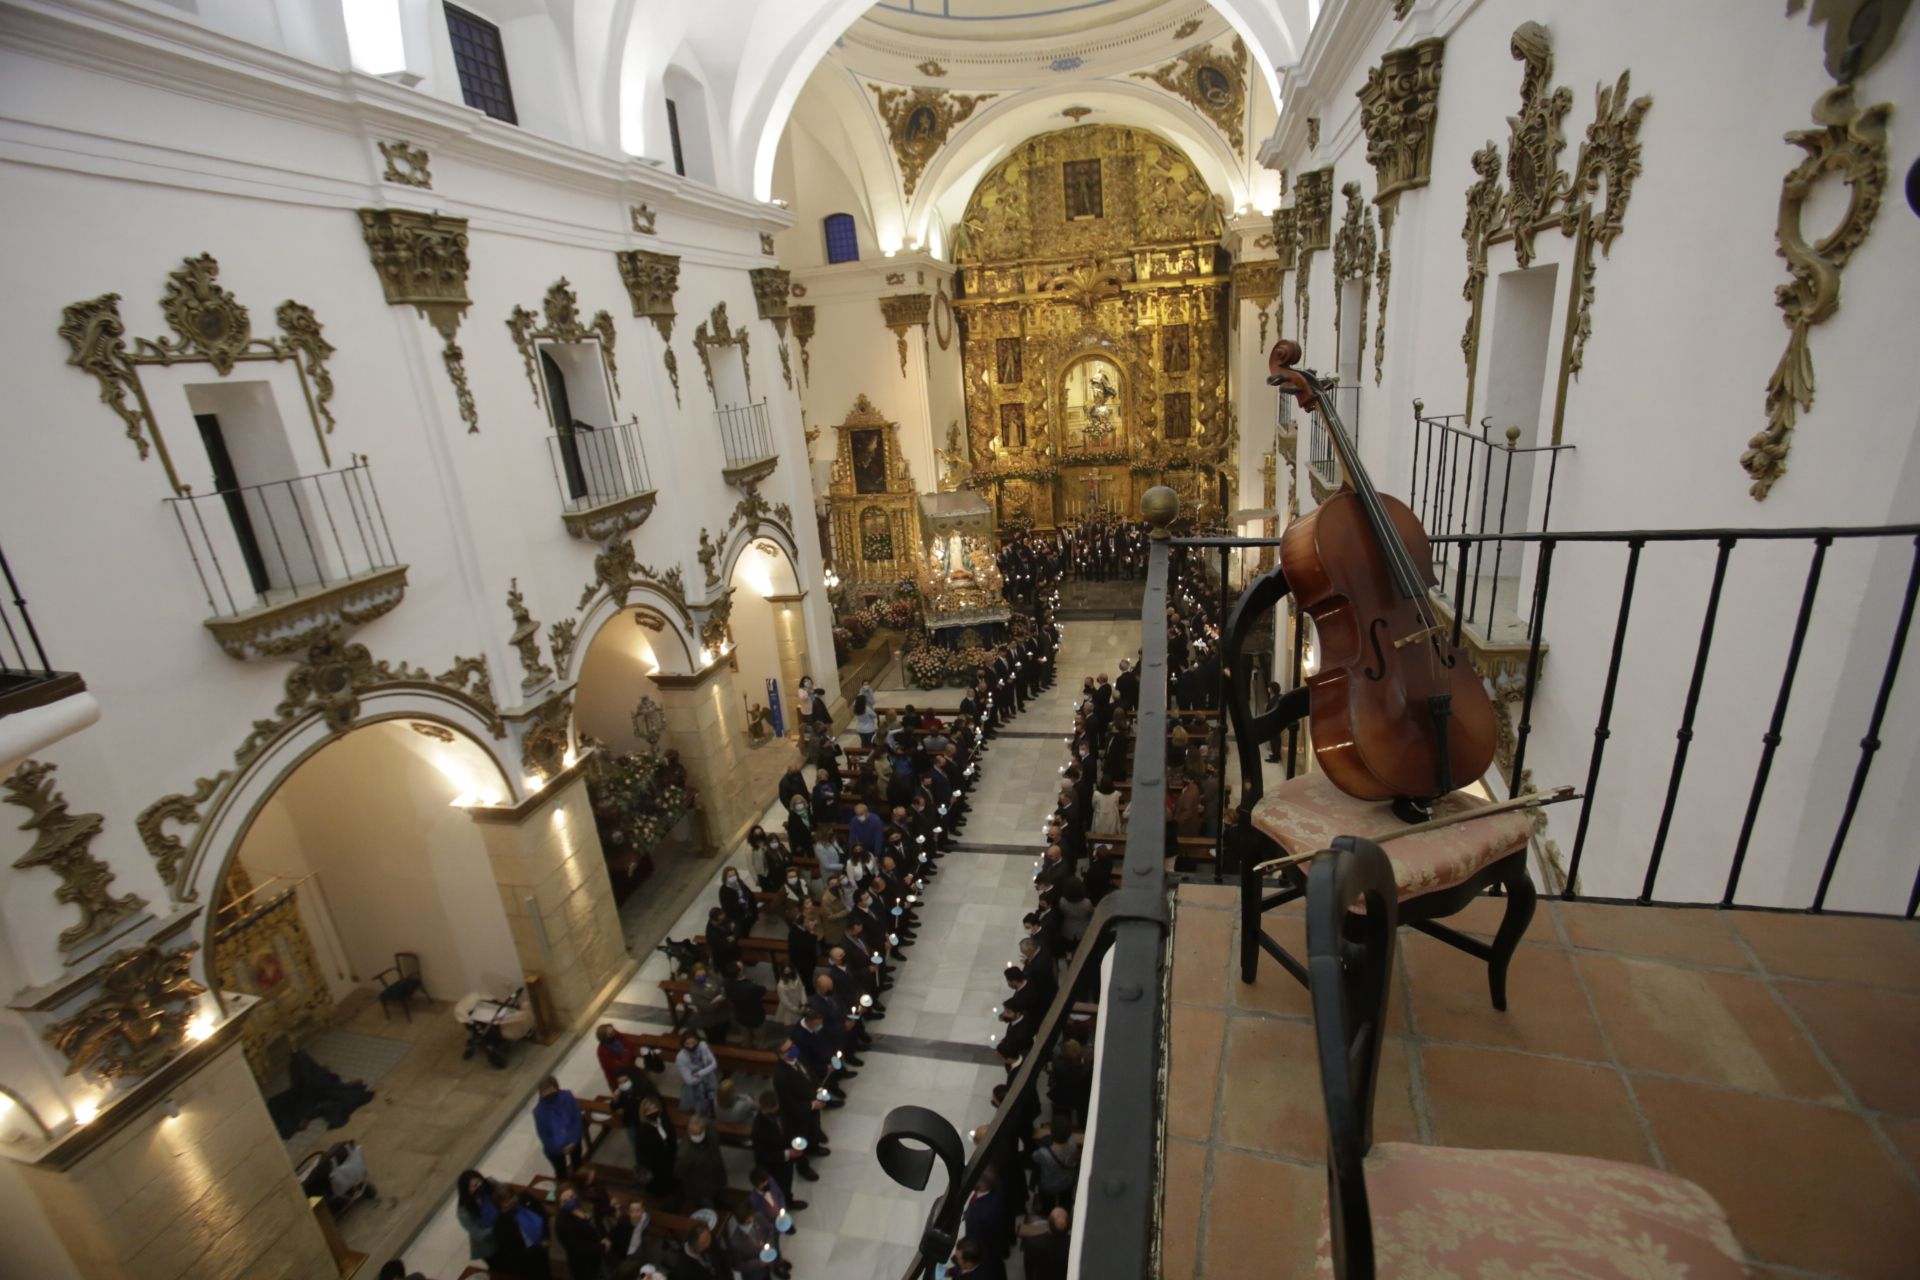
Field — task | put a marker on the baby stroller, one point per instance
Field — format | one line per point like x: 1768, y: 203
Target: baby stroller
x: 339, y: 1173
x: 682, y: 955
x: 492, y: 1025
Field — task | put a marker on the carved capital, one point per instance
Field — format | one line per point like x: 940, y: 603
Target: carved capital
x: 771, y: 287
x: 1397, y: 108
x: 1313, y: 208
x: 421, y: 259
x: 651, y: 279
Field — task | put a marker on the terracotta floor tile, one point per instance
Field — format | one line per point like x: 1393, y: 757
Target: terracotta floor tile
x: 1721, y: 1028
x: 1872, y: 1038
x: 1694, y: 936
x: 1273, y: 1102
x: 1482, y: 917
x: 1905, y: 1135
x: 1546, y: 1010
x: 1183, y: 1188
x: 1804, y: 1185
x: 1209, y: 895
x: 1263, y: 1217
x: 1274, y: 990
x: 1194, y: 1039
x: 1504, y: 1101
x: 1881, y: 953
x: 1202, y: 953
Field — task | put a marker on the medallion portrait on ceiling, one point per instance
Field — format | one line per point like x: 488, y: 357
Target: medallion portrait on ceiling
x: 920, y: 128
x: 1212, y: 85
x: 869, y: 460
x: 1090, y: 396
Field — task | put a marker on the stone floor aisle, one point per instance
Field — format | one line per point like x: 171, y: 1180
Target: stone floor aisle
x: 932, y: 1049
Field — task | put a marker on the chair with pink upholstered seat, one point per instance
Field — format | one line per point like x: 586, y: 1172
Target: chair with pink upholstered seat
x: 1400, y: 1209
x: 1438, y: 873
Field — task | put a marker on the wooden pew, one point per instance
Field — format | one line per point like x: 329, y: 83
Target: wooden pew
x: 677, y: 990
x: 755, y: 950
x: 599, y: 1111
x: 733, y: 1059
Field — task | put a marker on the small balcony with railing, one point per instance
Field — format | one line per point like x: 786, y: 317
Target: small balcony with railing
x: 1696, y: 963
x: 283, y: 563
x: 746, y: 441
x: 601, y: 476
x: 39, y: 704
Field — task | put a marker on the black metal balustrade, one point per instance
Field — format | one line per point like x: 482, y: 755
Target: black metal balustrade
x: 745, y: 434
x: 1466, y: 482
x: 264, y: 544
x: 593, y: 466
x: 27, y: 677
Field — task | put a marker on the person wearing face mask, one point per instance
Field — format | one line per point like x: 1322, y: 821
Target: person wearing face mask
x: 752, y: 1251
x: 747, y: 1000
x: 833, y: 911
x: 774, y: 1152
x: 557, y: 1119
x: 737, y: 900
x: 628, y: 1248
x: 709, y: 1009
x: 803, y: 940
x: 613, y: 1053
x: 474, y: 1206
x: 520, y: 1238
x: 765, y: 859
x: 800, y: 1108
x: 695, y: 1260
x: 699, y: 1075
x: 657, y: 1147
x: 799, y: 824
x: 580, y: 1238
x: 633, y: 1086
x: 699, y: 1169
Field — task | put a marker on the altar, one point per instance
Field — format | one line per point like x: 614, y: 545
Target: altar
x: 960, y: 572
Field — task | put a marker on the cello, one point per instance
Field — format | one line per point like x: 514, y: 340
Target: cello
x: 1396, y: 710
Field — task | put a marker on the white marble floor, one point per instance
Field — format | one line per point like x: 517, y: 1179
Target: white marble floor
x: 932, y: 1049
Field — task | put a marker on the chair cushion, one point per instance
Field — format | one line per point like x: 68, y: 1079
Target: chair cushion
x: 1304, y: 814
x: 1450, y: 1211
x: 404, y: 989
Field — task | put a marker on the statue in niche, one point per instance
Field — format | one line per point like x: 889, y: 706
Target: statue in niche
x: 954, y: 458
x: 1091, y: 396
x: 869, y: 460
x: 1013, y: 426
x: 1007, y: 361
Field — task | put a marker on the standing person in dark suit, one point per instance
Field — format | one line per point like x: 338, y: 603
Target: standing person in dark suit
x: 748, y: 1001
x: 773, y: 1149
x: 581, y: 1240
x: 658, y: 1146
x: 800, y: 1109
x: 989, y: 1220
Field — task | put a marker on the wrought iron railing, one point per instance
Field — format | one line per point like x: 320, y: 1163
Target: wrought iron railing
x: 1466, y: 482
x: 24, y: 668
x: 262, y: 544
x: 745, y: 434
x: 593, y: 466
x: 1320, y: 454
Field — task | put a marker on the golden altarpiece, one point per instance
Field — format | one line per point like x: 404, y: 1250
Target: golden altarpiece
x: 876, y: 508
x: 1096, y: 298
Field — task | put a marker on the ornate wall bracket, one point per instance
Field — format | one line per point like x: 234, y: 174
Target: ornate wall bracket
x: 715, y: 331
x: 1850, y: 142
x: 771, y: 286
x: 279, y: 628
x: 619, y: 571
x: 803, y: 322
x: 610, y: 520
x: 62, y: 844
x: 919, y: 121
x: 642, y: 219
x: 407, y: 165
x: 652, y: 279
x: 421, y: 259
x: 139, y: 1018
x: 210, y: 326
x: 545, y: 733
x: 902, y: 311
x: 1353, y: 259
x: 1398, y: 107
x: 562, y: 636
x: 562, y: 308
x: 526, y: 640
x: 1212, y: 82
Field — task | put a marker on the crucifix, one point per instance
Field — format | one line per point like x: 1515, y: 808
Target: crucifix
x: 1094, y: 480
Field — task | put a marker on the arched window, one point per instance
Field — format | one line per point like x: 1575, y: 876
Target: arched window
x: 843, y: 242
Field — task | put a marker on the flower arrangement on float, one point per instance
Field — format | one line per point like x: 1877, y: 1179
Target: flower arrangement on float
x: 634, y: 806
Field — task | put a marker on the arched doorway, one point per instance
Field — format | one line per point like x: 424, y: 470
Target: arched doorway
x: 770, y: 637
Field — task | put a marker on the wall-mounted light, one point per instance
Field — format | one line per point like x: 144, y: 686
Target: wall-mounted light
x: 171, y: 1107
x: 533, y: 783
x: 86, y: 1111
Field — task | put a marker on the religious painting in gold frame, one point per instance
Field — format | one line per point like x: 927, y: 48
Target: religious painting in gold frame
x: 1093, y: 403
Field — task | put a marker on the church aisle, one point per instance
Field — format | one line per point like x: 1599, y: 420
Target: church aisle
x: 934, y: 1047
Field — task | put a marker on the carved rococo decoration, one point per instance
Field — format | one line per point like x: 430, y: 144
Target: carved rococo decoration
x: 715, y: 331
x: 407, y: 165
x: 652, y: 279
x: 716, y: 626
x: 766, y: 243
x: 421, y: 259
x: 545, y: 737
x: 1312, y: 231
x: 526, y: 639
x: 771, y: 286
x: 618, y: 570
x: 918, y: 122
x: 282, y: 629
x: 643, y: 219
x: 803, y: 322
x: 1353, y: 254
x: 1286, y: 236
x: 1398, y: 105
x: 1313, y: 134
x: 1851, y: 142
x: 62, y: 844
x: 169, y: 851
x: 138, y: 1019
x: 1541, y: 195
x: 902, y: 311
x: 562, y: 309
x: 1212, y: 83
x: 211, y: 326
x: 562, y: 636
x: 1401, y: 8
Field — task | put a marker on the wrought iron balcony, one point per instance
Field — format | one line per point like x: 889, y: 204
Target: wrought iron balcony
x: 747, y: 439
x: 283, y: 563
x: 27, y: 677
x: 602, y: 478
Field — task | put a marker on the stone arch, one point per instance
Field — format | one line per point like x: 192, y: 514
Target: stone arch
x: 603, y: 608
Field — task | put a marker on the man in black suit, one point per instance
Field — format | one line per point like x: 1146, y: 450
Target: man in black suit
x: 989, y: 1221
x: 800, y: 1108
x: 748, y: 1001
x: 773, y: 1149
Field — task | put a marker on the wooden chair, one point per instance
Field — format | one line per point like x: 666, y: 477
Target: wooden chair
x: 1404, y: 1209
x: 400, y: 984
x: 1438, y: 873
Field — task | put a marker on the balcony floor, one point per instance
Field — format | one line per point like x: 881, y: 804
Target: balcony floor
x: 1772, y: 1058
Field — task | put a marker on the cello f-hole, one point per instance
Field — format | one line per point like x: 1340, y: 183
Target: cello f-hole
x: 1378, y: 670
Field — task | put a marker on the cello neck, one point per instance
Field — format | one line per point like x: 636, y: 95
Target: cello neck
x: 1406, y: 577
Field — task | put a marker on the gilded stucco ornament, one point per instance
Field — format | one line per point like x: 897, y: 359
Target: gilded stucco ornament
x: 562, y: 314
x: 210, y: 326
x: 407, y: 165
x: 562, y: 636
x: 1313, y: 231
x: 766, y: 243
x: 1398, y: 105
x: 643, y: 219
x: 1849, y: 142
x: 716, y: 623
x: 918, y: 123
x: 716, y: 331
x: 1313, y: 134
x: 652, y: 279
x: 1212, y: 82
x: 421, y: 259
x: 1353, y: 254
x: 184, y: 810
x: 137, y: 1020
x: 545, y: 736
x: 771, y: 293
x: 62, y: 843
x: 902, y: 311
x: 803, y: 323
x: 931, y: 68
x: 526, y: 640
x: 786, y: 366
